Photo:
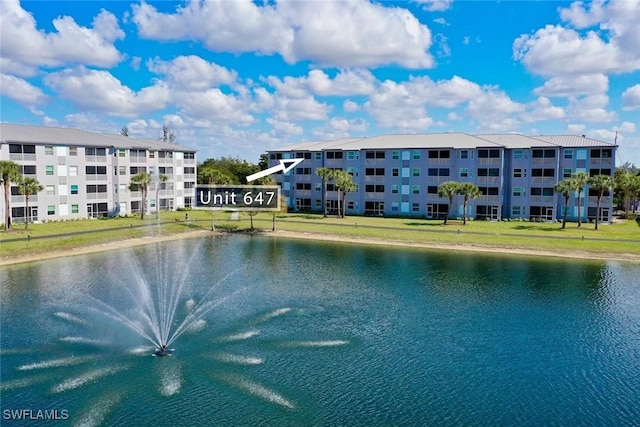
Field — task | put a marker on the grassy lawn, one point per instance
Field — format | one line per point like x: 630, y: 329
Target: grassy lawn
x: 619, y: 238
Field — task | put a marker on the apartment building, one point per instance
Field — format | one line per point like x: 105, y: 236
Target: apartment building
x: 399, y: 175
x: 87, y: 175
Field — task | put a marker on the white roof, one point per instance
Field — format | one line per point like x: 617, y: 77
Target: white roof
x: 28, y: 134
x: 453, y: 140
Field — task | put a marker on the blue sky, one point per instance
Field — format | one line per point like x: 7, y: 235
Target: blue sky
x: 236, y: 78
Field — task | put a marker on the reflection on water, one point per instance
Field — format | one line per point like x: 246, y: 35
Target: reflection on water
x: 328, y: 334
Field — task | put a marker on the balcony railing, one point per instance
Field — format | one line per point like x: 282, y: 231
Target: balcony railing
x: 489, y: 162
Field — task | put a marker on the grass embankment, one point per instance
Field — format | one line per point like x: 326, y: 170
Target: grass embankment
x: 621, y: 238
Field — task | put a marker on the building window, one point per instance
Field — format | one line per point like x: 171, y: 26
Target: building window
x: 334, y: 155
x: 416, y: 172
x: 122, y: 152
x: 489, y: 172
x: 317, y: 155
x: 374, y: 171
x: 29, y: 170
x: 92, y: 151
x: 416, y: 154
x: 438, y: 172
x: 517, y: 191
x: 516, y: 210
x: 73, y: 151
x: 568, y: 154
x: 51, y: 190
x: 74, y: 189
x: 517, y: 154
x: 74, y: 209
x: 415, y: 189
x: 318, y: 186
x: 439, y: 154
x: 547, y: 153
x: 566, y: 173
x: 122, y: 170
x: 464, y: 172
x: 415, y: 207
x: 51, y: 210
x: 48, y: 150
x: 395, y: 172
x: 395, y: 189
x: 187, y: 156
x: 519, y: 173
x: 486, y: 153
x: 73, y: 170
x: 395, y: 155
x: 374, y: 154
x: 352, y: 155
x: 49, y: 169
x: 463, y: 154
x: 152, y: 155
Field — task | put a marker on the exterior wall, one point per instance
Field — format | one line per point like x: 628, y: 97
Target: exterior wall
x: 72, y: 189
x: 516, y: 182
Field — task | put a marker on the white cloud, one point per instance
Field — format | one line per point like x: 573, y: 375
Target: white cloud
x: 346, y: 82
x: 441, y: 21
x: 215, y: 106
x: 626, y: 127
x: 24, y: 47
x: 542, y: 109
x: 349, y: 106
x: 631, y: 98
x: 337, y: 34
x: 192, y: 72
x: 21, y: 91
x: 576, y: 128
x: 435, y: 5
x: 442, y: 49
x: 337, y: 128
x: 100, y: 91
x: 613, y: 47
x: 284, y: 129
x: 575, y: 85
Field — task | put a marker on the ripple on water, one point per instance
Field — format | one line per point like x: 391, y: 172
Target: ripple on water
x: 85, y: 378
x: 238, y: 359
x: 98, y: 411
x: 55, y: 363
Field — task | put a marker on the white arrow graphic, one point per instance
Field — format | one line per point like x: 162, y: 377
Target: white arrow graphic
x: 277, y: 168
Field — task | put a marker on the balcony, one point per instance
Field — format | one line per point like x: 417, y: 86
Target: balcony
x: 374, y: 178
x: 302, y: 193
x: 540, y: 161
x: 488, y: 180
x: 491, y: 199
x: 374, y: 196
x: 439, y: 161
x: 373, y: 162
x: 489, y: 162
x: 542, y: 200
x: 546, y: 180
x: 606, y: 200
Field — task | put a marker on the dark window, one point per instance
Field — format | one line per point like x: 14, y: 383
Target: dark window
x: 29, y: 170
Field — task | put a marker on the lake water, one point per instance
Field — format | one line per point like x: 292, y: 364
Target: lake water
x: 310, y: 333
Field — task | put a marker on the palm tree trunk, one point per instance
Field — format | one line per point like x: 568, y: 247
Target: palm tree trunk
x: 464, y: 214
x: 324, y: 198
x: 26, y: 211
x: 566, y: 208
x: 579, y: 214
x: 144, y: 202
x: 598, y: 211
x: 7, y: 211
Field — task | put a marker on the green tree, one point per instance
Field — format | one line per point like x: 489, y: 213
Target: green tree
x: 9, y: 172
x: 28, y: 187
x: 140, y: 182
x: 565, y: 187
x: 469, y: 191
x: 162, y: 179
x: 209, y: 174
x: 235, y: 168
x: 602, y: 184
x: 264, y: 161
x: 628, y: 184
x: 345, y: 185
x: 579, y: 180
x: 448, y: 190
x: 326, y: 174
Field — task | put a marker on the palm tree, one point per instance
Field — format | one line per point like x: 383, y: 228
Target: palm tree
x: 345, y: 184
x: 141, y: 182
x: 326, y: 174
x: 161, y: 180
x: 565, y: 187
x: 28, y: 187
x: 629, y: 184
x: 602, y: 184
x: 469, y: 191
x: 579, y: 180
x: 9, y: 171
x: 448, y: 190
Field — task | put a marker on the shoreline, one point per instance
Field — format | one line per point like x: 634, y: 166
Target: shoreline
x: 141, y: 241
